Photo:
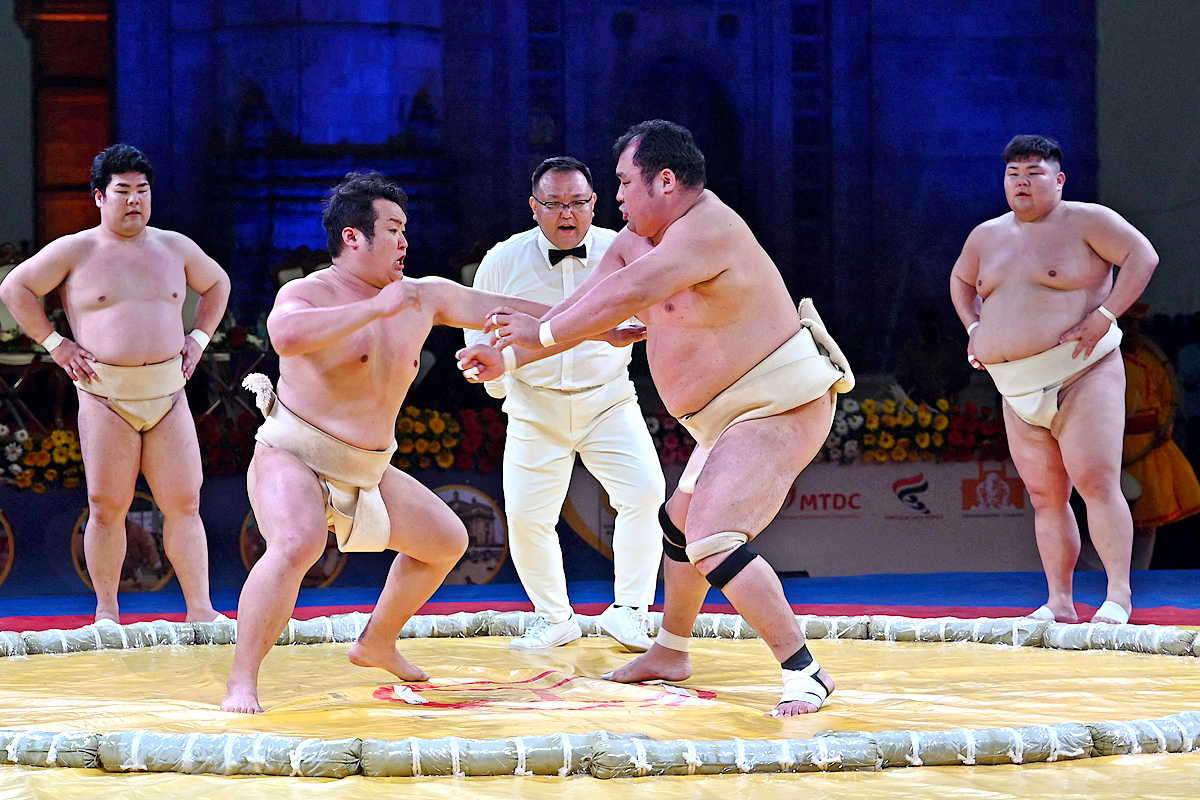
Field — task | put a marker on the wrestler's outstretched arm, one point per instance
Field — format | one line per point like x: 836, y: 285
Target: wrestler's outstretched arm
x: 1119, y: 243
x: 206, y: 278
x: 963, y: 293
x: 682, y: 259
x: 33, y: 279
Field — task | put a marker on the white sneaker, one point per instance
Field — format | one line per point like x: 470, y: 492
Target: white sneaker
x: 542, y: 635
x: 629, y: 626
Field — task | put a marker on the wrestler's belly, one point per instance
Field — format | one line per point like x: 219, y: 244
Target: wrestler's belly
x: 1011, y: 330
x: 130, y: 334
x: 689, y: 371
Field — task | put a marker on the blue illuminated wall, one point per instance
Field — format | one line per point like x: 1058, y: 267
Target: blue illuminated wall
x: 859, y: 138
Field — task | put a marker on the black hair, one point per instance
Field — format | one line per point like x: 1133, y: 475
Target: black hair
x: 562, y: 164
x: 117, y: 160
x: 664, y: 145
x: 351, y: 204
x: 1031, y: 146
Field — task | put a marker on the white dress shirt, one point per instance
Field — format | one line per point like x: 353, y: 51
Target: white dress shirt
x: 520, y: 266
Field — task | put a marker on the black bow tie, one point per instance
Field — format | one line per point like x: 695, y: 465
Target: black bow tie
x: 558, y: 255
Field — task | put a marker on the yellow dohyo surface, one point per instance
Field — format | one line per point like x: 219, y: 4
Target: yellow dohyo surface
x: 481, y: 689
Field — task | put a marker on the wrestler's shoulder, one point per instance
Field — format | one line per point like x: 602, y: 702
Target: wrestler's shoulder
x: 1090, y: 212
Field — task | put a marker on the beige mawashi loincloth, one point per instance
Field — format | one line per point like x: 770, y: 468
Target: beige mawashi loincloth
x: 1030, y: 385
x: 349, y: 477
x: 800, y: 370
x: 141, y: 396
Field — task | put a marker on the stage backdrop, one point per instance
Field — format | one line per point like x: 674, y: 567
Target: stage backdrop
x: 864, y: 519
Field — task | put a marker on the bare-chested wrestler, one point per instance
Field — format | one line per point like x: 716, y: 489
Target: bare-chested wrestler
x: 349, y: 342
x: 1035, y: 289
x: 123, y: 284
x: 749, y: 377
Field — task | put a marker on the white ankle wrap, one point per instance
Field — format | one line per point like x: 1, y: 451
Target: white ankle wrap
x: 672, y: 642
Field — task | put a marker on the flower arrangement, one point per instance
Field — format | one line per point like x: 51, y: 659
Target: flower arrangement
x: 672, y: 441
x: 14, y: 340
x: 39, y: 464
x: 887, y: 430
x: 226, y: 446
x: 467, y: 440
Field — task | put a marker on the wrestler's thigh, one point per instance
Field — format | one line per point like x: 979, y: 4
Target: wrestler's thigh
x: 1036, y: 455
x: 423, y: 526
x: 288, y: 503
x: 752, y: 467
x: 1090, y: 424
x: 112, y: 451
x: 171, y: 455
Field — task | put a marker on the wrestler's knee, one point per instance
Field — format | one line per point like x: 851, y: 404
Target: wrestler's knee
x: 721, y: 556
x: 178, y: 503
x: 1049, y: 497
x: 1097, y: 481
x: 108, y: 507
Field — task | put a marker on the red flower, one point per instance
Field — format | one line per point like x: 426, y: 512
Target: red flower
x: 464, y: 461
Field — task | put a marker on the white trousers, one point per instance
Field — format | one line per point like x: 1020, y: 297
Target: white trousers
x: 546, y: 428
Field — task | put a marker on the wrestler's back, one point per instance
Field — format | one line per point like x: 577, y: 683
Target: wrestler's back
x: 704, y: 338
x: 124, y: 297
x: 354, y: 388
x: 1036, y: 281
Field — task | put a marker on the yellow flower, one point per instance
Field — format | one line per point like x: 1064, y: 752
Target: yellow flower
x: 937, y: 439
x: 924, y: 418
x: 940, y: 422
x: 50, y: 475
x: 27, y: 444
x: 868, y: 406
x: 899, y: 454
x: 437, y: 425
x: 905, y: 442
x: 70, y: 483
x: 905, y: 419
x: 872, y: 422
x: 886, y: 440
x: 402, y: 463
x: 24, y: 479
x: 922, y: 440
x: 445, y: 459
x: 889, y: 406
x: 47, y: 444
x: 39, y: 488
x: 421, y: 446
x: 419, y: 428
x: 404, y: 425
x: 909, y: 404
x: 435, y: 447
x: 61, y: 454
x: 76, y: 453
x: 869, y: 439
x: 453, y: 426
x: 405, y: 446
x: 412, y: 411
x: 59, y: 437
x: 943, y: 405
x: 70, y: 437
x: 449, y: 442
x: 889, y: 420
x: 915, y: 455
x: 425, y: 462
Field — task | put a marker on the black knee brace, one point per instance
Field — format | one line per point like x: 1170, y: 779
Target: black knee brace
x: 673, y: 538
x: 734, y: 563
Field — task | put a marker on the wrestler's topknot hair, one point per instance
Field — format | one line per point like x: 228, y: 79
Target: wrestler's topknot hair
x: 562, y: 164
x: 1030, y: 146
x: 117, y: 160
x: 664, y: 145
x: 351, y: 205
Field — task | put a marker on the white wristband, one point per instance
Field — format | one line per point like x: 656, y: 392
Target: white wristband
x: 1111, y: 316
x: 972, y: 327
x: 52, y: 341
x: 545, y: 336
x: 510, y: 359
x: 201, y: 337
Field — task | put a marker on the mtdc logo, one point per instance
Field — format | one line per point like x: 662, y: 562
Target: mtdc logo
x: 909, y: 491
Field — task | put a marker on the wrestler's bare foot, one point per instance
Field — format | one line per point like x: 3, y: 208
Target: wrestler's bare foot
x: 656, y: 664
x: 794, y: 708
x: 387, y: 658
x: 241, y: 700
x: 205, y: 616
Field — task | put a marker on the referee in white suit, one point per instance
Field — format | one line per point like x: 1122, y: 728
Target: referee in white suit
x: 578, y: 401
